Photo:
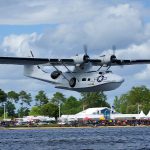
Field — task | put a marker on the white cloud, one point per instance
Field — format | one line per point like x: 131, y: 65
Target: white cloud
x: 98, y: 25
x: 47, y: 11
x: 135, y: 51
x: 19, y: 44
x: 144, y: 74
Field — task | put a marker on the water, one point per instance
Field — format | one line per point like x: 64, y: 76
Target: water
x: 132, y: 138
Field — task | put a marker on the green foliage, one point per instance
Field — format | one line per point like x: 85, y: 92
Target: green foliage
x: 25, y: 98
x: 13, y: 96
x: 58, y: 98
x: 1, y: 111
x: 10, y: 109
x: 35, y: 111
x: 3, y: 96
x: 41, y: 98
x: 71, y: 106
x: 50, y: 110
x: 94, y: 99
x: 23, y: 111
x: 128, y: 103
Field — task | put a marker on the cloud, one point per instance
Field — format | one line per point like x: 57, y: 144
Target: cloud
x: 135, y: 51
x: 144, y: 74
x: 98, y: 25
x: 18, y: 44
x: 45, y: 12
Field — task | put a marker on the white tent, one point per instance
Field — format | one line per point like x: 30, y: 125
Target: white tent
x: 148, y: 115
x: 142, y: 115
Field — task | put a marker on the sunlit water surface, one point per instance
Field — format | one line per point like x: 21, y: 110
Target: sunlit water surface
x: 132, y: 138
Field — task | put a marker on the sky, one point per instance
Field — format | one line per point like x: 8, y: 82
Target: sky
x: 60, y: 28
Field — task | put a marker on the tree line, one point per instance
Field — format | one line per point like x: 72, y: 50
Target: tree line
x: 137, y: 99
x: 18, y: 104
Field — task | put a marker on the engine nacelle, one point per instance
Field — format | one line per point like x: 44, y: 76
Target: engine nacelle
x: 79, y: 59
x: 108, y: 59
x: 55, y: 74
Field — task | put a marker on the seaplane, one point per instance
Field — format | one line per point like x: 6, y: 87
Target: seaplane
x: 82, y: 77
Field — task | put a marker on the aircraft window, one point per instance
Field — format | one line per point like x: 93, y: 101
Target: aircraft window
x: 108, y: 71
x: 83, y: 79
x: 88, y: 79
x: 100, y: 72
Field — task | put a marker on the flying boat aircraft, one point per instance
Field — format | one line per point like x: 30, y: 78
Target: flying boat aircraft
x: 81, y: 78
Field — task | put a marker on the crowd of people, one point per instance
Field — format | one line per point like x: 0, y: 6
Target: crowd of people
x: 79, y: 123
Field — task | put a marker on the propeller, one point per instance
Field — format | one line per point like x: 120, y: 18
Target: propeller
x: 114, y: 58
x: 85, y: 49
x: 86, y: 58
x: 114, y: 49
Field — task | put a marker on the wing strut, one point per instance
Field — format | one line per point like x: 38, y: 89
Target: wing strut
x: 69, y: 70
x: 61, y: 73
x: 99, y: 68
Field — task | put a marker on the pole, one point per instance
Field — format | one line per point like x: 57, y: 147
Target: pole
x: 59, y: 110
x: 4, y: 111
x: 139, y: 108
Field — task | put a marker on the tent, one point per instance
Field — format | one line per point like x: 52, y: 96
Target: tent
x: 148, y: 115
x: 142, y: 115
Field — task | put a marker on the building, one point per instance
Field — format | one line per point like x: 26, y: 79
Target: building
x: 88, y: 114
x: 102, y: 112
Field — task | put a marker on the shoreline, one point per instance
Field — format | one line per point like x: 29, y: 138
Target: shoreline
x: 84, y: 127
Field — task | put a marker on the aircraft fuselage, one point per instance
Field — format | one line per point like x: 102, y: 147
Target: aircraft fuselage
x: 91, y: 81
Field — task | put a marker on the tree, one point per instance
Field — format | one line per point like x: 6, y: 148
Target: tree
x: 1, y: 110
x: 71, y: 106
x: 117, y: 104
x: 25, y: 98
x: 41, y: 98
x: 23, y: 111
x: 35, y: 111
x: 94, y: 99
x: 50, y: 110
x: 129, y: 102
x: 3, y: 96
x: 10, y: 107
x: 58, y: 98
x: 120, y: 104
x: 13, y: 96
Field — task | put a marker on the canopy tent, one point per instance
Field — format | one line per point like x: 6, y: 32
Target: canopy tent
x: 148, y: 115
x: 142, y: 115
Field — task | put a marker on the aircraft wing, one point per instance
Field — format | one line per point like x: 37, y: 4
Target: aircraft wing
x: 68, y: 62
x: 130, y: 62
x: 35, y: 61
x: 117, y: 62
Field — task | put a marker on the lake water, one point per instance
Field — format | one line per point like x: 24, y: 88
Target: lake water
x: 132, y: 138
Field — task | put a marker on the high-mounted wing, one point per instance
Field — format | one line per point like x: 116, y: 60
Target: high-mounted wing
x: 111, y: 60
x: 35, y: 61
x: 129, y: 62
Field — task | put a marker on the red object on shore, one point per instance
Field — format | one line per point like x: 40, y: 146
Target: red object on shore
x: 87, y: 119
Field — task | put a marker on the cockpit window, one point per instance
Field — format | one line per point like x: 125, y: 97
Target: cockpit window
x: 83, y: 79
x: 108, y: 71
x: 88, y: 79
